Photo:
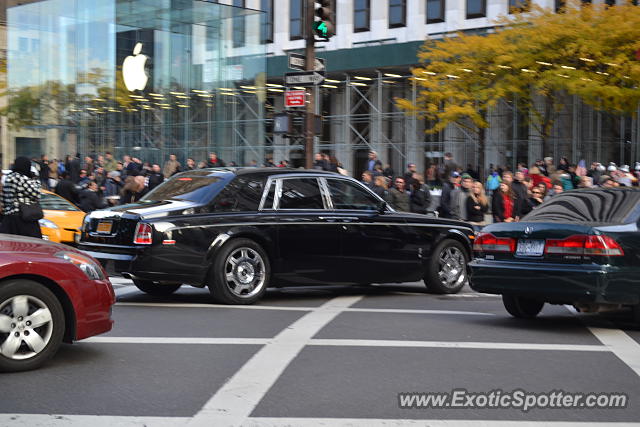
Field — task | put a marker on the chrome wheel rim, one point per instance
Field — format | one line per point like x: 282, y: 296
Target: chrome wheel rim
x: 26, y: 326
x: 451, y: 269
x: 244, y: 272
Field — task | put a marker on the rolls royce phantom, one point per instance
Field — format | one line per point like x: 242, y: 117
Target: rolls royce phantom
x: 239, y: 231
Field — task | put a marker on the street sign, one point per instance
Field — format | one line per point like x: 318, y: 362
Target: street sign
x: 294, y: 98
x: 304, y: 78
x: 298, y: 62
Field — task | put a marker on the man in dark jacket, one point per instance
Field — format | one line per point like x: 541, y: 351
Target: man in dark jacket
x: 67, y: 189
x: 214, y: 161
x: 155, y: 177
x: 89, y: 200
x: 445, y: 197
x: 74, y: 168
x: 520, y: 190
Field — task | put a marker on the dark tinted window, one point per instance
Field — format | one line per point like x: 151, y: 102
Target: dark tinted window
x: 301, y: 193
x: 595, y: 206
x: 240, y: 195
x: 56, y: 203
x: 192, y: 188
x: 348, y: 195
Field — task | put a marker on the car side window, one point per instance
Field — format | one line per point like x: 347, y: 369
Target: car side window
x: 348, y: 195
x: 240, y: 195
x: 300, y: 193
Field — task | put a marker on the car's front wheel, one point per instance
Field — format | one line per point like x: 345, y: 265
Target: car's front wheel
x: 522, y: 308
x: 155, y: 288
x: 447, y: 269
x: 240, y: 273
x: 32, y: 325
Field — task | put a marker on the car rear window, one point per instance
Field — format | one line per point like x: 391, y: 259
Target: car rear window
x: 193, y: 188
x: 592, y: 206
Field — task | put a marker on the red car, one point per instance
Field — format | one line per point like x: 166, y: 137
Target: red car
x: 49, y: 293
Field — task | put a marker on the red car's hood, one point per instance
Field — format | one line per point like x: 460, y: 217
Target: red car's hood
x: 14, y: 245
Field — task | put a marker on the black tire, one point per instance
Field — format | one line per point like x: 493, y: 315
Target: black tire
x: 441, y: 279
x: 156, y: 288
x: 243, y: 280
x: 28, y: 298
x: 522, y: 308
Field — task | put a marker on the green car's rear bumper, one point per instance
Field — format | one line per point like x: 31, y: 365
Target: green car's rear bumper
x: 557, y: 283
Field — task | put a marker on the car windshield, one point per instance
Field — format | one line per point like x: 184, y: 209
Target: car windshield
x: 591, y: 206
x: 56, y: 203
x: 197, y: 189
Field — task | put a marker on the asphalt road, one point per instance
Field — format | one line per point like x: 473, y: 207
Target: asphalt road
x: 326, y: 356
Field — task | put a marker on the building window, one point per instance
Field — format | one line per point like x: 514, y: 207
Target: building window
x: 610, y: 2
x: 559, y: 5
x: 239, y: 24
x: 397, y: 13
x: 296, y: 19
x: 476, y: 9
x: 435, y: 11
x: 266, y: 36
x: 361, y: 15
x: 519, y: 6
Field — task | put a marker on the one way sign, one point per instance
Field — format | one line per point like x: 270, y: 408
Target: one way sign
x: 304, y: 78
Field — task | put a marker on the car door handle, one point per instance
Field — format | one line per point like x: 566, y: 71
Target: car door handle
x: 339, y: 218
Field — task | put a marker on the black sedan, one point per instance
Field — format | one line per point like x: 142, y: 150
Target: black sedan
x: 239, y: 231
x: 582, y: 248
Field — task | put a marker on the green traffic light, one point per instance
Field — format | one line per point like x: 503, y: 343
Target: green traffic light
x: 321, y: 28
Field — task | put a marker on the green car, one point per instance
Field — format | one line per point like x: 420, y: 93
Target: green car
x: 582, y: 248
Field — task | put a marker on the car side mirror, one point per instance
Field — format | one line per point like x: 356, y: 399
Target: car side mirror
x: 382, y: 207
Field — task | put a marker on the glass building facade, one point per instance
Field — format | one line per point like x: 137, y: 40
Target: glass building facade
x: 140, y: 77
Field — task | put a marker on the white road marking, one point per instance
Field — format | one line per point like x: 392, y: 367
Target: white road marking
x: 196, y: 305
x: 120, y: 281
x: 233, y: 403
x: 456, y: 344
x: 176, y: 340
x: 288, y: 308
x: 37, y: 420
x: 370, y: 422
x: 620, y: 344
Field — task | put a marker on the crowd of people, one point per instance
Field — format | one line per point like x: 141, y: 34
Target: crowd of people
x: 98, y: 181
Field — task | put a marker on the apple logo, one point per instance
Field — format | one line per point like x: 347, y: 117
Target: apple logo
x: 135, y: 77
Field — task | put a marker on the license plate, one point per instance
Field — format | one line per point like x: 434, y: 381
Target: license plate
x: 104, y: 227
x: 527, y: 247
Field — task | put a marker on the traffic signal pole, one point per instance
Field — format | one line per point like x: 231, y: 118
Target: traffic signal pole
x: 310, y: 61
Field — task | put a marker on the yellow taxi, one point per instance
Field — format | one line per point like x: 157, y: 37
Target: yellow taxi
x: 62, y: 219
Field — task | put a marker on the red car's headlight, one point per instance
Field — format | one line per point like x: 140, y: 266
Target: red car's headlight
x: 92, y: 270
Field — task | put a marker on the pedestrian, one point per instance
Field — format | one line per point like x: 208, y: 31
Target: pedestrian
x: 381, y: 188
x: 44, y: 171
x: 21, y: 201
x: 408, y: 175
x: 399, y: 196
x: 110, y: 164
x: 332, y: 163
x: 155, y: 178
x: 133, y: 190
x: 459, y: 198
x: 74, y: 168
x: 502, y: 204
x: 432, y: 176
x: 477, y: 204
x: 537, y: 198
x: 67, y: 189
x: 367, y: 179
x: 521, y: 194
x: 448, y: 186
x: 214, y: 161
x: 191, y: 164
x: 113, y: 186
x: 493, y: 182
x: 450, y: 165
x: 420, y: 198
x: 171, y: 167
x: 556, y: 188
x: 373, y: 161
x: 319, y: 163
x: 90, y: 200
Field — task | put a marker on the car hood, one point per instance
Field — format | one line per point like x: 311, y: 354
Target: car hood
x: 147, y: 209
x: 20, y: 245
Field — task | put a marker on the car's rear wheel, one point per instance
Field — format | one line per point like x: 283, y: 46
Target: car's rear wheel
x: 522, y: 308
x: 447, y: 270
x: 32, y: 325
x: 156, y: 288
x: 240, y: 273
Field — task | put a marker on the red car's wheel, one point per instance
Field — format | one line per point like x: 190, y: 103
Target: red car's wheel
x: 32, y: 325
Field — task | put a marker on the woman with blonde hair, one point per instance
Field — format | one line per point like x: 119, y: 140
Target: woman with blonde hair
x: 477, y: 204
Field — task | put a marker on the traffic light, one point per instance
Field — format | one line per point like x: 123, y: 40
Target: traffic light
x: 325, y: 26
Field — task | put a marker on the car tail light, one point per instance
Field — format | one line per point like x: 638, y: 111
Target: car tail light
x: 584, y: 245
x: 487, y: 242
x: 144, y: 234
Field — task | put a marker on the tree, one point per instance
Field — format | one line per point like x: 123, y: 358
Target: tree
x: 588, y: 51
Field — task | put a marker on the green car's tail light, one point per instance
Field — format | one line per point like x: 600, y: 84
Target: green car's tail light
x: 584, y: 245
x: 487, y: 242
